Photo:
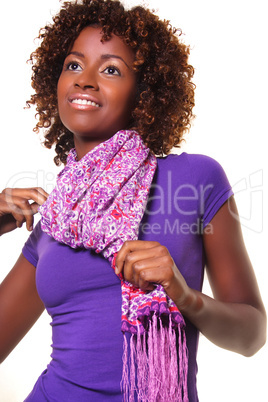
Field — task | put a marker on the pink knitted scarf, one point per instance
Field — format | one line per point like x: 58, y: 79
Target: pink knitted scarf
x: 98, y: 204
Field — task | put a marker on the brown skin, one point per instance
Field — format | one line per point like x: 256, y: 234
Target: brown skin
x: 20, y: 305
x: 15, y: 207
x: 161, y: 61
x: 102, y: 73
x: 235, y: 319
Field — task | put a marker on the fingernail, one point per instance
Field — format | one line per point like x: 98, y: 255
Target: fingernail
x: 116, y: 270
x: 30, y: 228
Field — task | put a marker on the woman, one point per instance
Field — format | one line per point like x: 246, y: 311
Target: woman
x: 224, y: 320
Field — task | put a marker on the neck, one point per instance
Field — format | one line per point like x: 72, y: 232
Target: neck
x: 83, y: 147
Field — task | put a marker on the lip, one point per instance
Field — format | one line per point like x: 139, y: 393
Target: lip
x: 86, y: 97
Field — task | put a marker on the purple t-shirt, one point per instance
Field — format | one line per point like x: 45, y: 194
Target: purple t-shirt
x: 83, y: 295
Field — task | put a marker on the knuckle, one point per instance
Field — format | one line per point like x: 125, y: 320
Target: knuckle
x: 157, y: 243
x: 23, y: 202
x: 163, y: 250
x: 143, y: 275
x: 24, y: 206
x: 127, y: 243
x: 40, y: 190
x: 7, y: 190
x: 136, y: 266
x: 129, y: 258
x: 167, y: 260
x: 32, y: 191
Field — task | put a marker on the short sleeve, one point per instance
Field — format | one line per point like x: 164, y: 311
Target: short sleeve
x: 213, y: 185
x: 29, y: 249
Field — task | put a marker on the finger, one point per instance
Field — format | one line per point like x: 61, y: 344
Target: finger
x: 43, y: 192
x: 37, y: 194
x: 143, y: 258
x: 13, y: 204
x: 129, y: 247
x: 139, y: 273
x: 23, y: 211
x: 169, y: 277
x: 20, y: 209
x: 16, y: 204
x: 160, y: 274
x: 29, y: 218
x: 34, y: 207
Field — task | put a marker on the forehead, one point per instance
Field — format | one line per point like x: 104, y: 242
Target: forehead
x: 89, y: 42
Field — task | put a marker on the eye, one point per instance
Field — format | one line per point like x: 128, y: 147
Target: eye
x: 112, y: 70
x: 73, y: 66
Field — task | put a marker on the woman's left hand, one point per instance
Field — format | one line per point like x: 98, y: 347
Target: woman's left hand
x: 146, y: 263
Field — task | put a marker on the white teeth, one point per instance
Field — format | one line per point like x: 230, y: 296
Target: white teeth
x: 85, y: 102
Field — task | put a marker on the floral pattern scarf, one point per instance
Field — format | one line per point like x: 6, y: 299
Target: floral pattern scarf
x: 98, y: 203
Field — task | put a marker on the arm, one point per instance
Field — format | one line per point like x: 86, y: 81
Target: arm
x: 236, y: 318
x: 16, y: 208
x: 20, y: 305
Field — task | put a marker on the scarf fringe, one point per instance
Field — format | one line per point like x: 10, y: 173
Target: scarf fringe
x: 155, y: 364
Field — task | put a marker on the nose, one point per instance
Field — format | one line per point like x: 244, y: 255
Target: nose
x: 87, y: 80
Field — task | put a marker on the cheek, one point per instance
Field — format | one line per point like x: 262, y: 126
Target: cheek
x: 123, y: 101
x: 61, y: 95
x: 123, y: 93
x: 130, y: 98
x: 127, y: 96
x: 62, y: 86
x: 59, y: 90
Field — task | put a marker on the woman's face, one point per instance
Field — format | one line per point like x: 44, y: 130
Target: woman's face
x: 96, y: 89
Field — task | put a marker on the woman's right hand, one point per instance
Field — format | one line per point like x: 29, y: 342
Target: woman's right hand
x: 16, y: 207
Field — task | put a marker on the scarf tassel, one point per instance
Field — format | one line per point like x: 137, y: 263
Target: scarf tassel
x: 155, y: 364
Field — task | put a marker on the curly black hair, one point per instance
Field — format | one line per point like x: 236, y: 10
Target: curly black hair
x: 163, y: 109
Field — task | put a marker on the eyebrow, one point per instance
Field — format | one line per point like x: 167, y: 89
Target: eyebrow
x: 103, y: 56
x: 114, y: 56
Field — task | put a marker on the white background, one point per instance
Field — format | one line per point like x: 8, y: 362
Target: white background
x: 229, y: 52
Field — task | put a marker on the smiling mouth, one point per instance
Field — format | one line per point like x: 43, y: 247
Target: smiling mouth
x: 85, y: 102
